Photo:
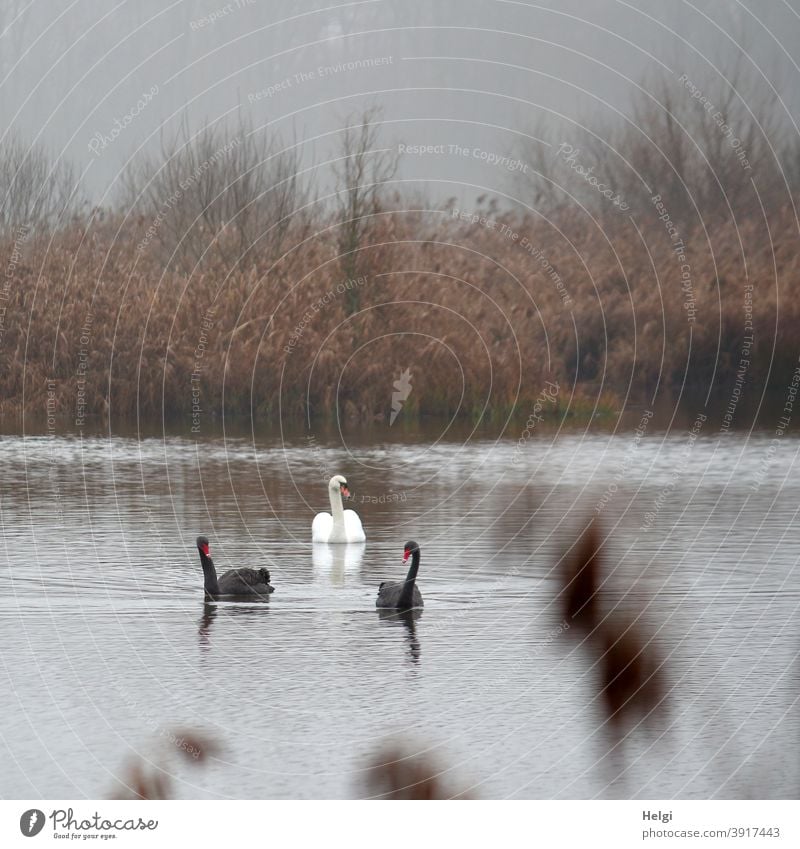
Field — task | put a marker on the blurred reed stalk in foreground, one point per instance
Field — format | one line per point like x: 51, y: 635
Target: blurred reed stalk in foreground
x: 150, y: 778
x: 631, y: 671
x: 398, y: 773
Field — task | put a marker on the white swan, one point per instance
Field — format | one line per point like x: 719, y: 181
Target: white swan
x: 339, y: 525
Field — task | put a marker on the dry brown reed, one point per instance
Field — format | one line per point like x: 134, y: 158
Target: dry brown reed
x: 472, y: 315
x: 631, y: 682
x: 220, y: 284
x: 396, y: 773
x: 632, y: 677
x: 581, y: 580
x: 150, y: 778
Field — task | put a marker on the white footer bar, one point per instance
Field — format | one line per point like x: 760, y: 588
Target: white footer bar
x: 352, y: 824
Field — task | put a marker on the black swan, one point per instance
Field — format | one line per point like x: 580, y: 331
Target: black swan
x: 402, y: 595
x: 235, y: 583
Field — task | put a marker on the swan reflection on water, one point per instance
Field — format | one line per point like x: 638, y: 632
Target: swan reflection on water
x: 211, y: 610
x: 333, y: 563
x: 209, y: 615
x: 408, y: 620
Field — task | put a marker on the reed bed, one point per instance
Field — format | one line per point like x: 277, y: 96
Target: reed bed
x: 95, y: 325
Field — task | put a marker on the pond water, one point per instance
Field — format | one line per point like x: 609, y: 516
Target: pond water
x: 108, y: 646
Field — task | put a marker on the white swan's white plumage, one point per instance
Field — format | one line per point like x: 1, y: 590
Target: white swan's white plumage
x: 339, y: 525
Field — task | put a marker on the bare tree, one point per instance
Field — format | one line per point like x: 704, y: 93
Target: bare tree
x: 36, y: 193
x: 700, y: 140
x: 700, y: 143
x: 541, y: 183
x: 362, y: 172
x: 221, y: 193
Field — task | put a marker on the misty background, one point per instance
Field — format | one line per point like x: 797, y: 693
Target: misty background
x: 467, y: 72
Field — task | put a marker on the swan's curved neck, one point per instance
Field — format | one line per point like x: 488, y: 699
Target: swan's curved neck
x: 407, y: 595
x: 337, y: 511
x: 209, y: 574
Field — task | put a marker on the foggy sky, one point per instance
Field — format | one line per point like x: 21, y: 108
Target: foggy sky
x: 475, y: 73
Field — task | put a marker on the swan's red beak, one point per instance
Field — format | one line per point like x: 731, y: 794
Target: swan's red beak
x: 204, y: 549
x: 345, y: 492
x: 406, y: 552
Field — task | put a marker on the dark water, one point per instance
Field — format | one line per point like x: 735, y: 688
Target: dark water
x: 108, y: 647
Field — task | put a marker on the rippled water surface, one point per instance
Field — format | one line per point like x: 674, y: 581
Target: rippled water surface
x: 108, y: 646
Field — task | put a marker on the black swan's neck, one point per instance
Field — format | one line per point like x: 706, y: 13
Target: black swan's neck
x: 407, y: 595
x: 210, y: 575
